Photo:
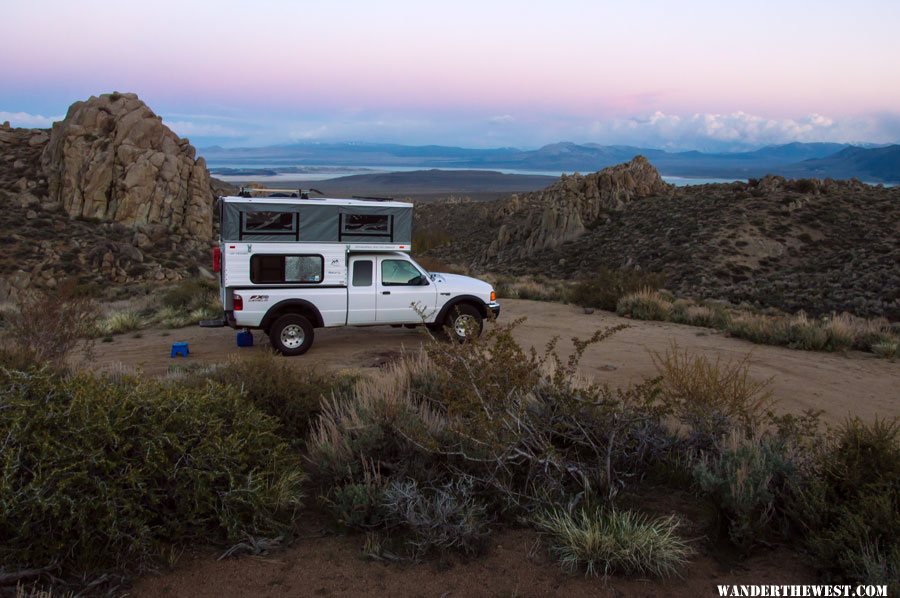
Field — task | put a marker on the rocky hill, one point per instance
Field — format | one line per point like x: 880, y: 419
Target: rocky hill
x: 821, y: 246
x: 110, y: 194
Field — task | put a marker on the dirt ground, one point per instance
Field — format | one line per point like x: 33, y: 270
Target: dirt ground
x: 853, y: 383
x: 515, y: 563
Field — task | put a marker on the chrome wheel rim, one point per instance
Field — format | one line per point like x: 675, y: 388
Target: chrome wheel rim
x: 292, y: 336
x: 464, y: 325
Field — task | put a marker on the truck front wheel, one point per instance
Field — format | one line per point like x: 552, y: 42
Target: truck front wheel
x: 464, y: 322
x: 291, y: 334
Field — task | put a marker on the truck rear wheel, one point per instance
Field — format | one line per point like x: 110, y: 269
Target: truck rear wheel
x: 464, y: 322
x: 291, y: 334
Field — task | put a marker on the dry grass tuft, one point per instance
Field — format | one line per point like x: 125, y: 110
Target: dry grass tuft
x: 646, y: 304
x: 607, y: 541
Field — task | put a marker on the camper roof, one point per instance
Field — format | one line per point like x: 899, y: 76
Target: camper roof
x: 319, y: 201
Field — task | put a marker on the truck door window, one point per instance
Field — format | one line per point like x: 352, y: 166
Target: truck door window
x: 268, y: 268
x: 362, y: 273
x: 399, y: 272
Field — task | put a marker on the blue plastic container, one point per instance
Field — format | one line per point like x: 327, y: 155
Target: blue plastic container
x: 244, y: 338
x: 180, y: 348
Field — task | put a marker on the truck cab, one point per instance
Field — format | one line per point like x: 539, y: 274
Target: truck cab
x: 289, y: 266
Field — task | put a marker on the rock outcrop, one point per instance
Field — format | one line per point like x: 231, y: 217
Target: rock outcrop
x: 563, y: 211
x: 113, y: 159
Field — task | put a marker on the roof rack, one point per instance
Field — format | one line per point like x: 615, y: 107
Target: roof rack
x: 298, y: 193
x: 372, y: 198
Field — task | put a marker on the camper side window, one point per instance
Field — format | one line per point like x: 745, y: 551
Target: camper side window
x: 269, y: 223
x: 275, y: 269
x: 368, y: 225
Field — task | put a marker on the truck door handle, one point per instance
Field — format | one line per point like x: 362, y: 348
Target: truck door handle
x: 385, y: 292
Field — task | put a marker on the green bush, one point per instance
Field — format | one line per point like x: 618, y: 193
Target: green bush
x: 604, y: 289
x: 746, y: 479
x: 98, y: 475
x: 358, y: 505
x: 277, y: 387
x: 605, y: 541
x: 851, y: 510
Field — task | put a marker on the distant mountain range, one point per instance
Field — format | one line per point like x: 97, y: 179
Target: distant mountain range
x: 874, y: 164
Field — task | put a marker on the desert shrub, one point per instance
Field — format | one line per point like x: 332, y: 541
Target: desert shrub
x: 841, y: 332
x: 645, y: 305
x: 798, y: 331
x: 440, y: 518
x: 711, y: 397
x: 275, y: 386
x: 760, y: 329
x: 47, y: 327
x: 604, y: 289
x: 187, y: 303
x: 519, y: 422
x: 99, y: 475
x: 359, y: 505
x: 120, y: 322
x: 851, y: 510
x: 747, y: 478
x: 606, y: 541
x: 369, y: 425
x: 806, y: 334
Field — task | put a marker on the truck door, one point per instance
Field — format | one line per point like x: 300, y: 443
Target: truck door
x: 361, y: 297
x: 403, y: 291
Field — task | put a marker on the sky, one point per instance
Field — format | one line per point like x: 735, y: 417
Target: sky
x: 696, y: 74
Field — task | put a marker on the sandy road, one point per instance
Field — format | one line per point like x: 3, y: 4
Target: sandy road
x: 840, y: 384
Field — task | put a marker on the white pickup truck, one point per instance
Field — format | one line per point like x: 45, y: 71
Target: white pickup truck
x: 291, y: 265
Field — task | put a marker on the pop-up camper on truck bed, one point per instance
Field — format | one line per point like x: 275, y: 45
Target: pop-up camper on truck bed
x: 289, y: 265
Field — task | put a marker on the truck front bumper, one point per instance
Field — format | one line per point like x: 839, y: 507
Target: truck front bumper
x: 495, y: 308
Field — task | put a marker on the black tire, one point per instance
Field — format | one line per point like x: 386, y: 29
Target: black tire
x: 464, y: 316
x: 285, y: 335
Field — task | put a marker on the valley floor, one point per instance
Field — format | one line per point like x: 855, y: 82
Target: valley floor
x: 854, y: 383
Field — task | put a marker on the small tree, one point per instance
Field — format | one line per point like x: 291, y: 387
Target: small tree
x: 45, y: 327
